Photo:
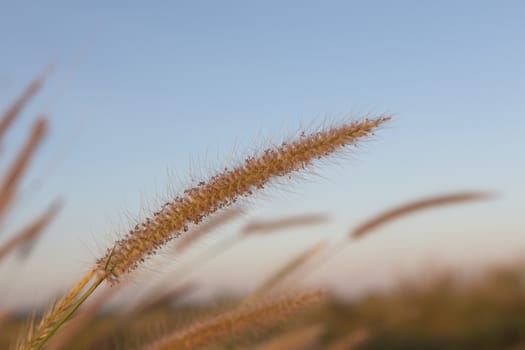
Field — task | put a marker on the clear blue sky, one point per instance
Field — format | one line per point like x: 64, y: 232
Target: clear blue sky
x: 142, y: 95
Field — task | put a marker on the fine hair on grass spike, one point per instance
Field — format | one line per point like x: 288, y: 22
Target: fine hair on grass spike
x: 224, y: 189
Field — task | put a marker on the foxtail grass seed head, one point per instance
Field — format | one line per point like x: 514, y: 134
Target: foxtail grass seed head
x: 7, y: 118
x: 230, y: 323
x: 14, y: 174
x: 415, y: 206
x: 24, y: 239
x: 224, y: 189
x: 264, y: 226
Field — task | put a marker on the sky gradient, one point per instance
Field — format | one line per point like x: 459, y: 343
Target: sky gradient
x: 143, y: 98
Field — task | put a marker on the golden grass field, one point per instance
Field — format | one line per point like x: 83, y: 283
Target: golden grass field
x: 439, y: 313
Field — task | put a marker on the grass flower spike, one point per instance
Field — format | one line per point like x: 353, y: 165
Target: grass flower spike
x: 234, y: 322
x: 224, y: 189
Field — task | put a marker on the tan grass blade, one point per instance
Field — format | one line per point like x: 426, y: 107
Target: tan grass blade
x: 16, y: 170
x: 299, y: 339
x: 37, y: 335
x: 67, y: 334
x: 28, y: 235
x: 285, y: 271
x: 264, y: 226
x: 229, y: 324
x: 414, y: 206
x: 14, y: 110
